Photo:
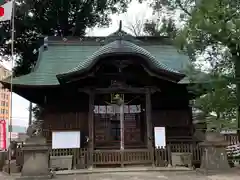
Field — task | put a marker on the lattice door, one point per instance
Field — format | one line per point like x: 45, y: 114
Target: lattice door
x: 132, y: 131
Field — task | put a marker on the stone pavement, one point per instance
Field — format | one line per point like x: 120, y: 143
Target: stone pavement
x: 148, y: 176
x: 139, y: 176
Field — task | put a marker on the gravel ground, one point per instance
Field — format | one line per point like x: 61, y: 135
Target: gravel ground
x: 140, y: 176
x: 149, y: 176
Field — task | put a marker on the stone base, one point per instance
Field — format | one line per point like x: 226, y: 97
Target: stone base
x: 35, y: 164
x: 35, y: 177
x: 214, y: 159
x: 213, y: 172
x: 36, y: 157
x: 90, y: 168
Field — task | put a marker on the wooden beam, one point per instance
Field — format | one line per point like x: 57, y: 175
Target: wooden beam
x: 90, y: 127
x: 125, y: 90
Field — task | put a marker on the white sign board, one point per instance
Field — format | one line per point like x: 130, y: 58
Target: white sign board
x: 14, y: 135
x: 160, y: 136
x: 66, y: 139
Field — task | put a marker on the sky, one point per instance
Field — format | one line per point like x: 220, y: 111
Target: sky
x: 136, y: 11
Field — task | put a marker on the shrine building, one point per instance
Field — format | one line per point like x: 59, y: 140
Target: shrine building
x: 115, y: 90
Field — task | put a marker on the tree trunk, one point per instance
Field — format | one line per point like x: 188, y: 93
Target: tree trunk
x: 64, y: 17
x: 236, y: 59
x: 30, y: 114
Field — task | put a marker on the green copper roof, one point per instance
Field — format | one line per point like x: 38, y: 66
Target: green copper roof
x: 119, y: 47
x: 58, y: 59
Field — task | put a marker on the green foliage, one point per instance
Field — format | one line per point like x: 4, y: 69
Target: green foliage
x: 208, y: 25
x: 218, y: 100
x: 210, y: 31
x: 34, y: 18
x: 219, y: 105
x: 163, y: 27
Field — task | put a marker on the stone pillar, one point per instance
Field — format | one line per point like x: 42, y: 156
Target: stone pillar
x: 36, y: 159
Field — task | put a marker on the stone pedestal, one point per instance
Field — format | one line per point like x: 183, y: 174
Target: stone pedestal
x: 14, y: 168
x: 214, y: 157
x: 36, y: 159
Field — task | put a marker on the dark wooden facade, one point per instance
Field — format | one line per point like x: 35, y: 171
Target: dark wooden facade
x: 118, y: 67
x: 173, y: 120
x: 163, y: 103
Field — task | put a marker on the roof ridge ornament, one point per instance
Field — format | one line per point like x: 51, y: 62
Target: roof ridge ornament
x: 120, y: 25
x: 121, y: 35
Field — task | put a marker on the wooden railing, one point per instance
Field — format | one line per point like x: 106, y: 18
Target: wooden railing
x: 231, y: 139
x: 80, y: 156
x: 101, y: 157
x: 137, y: 156
x: 161, y: 156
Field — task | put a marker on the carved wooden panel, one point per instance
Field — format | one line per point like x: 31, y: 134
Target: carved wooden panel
x: 107, y: 128
x: 101, y: 126
x: 132, y: 128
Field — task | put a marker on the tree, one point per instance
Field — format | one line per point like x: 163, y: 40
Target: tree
x: 210, y: 27
x: 161, y: 27
x: 136, y: 26
x: 52, y: 18
x: 152, y: 27
x: 218, y: 105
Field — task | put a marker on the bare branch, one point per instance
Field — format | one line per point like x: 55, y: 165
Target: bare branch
x: 183, y: 8
x: 136, y: 26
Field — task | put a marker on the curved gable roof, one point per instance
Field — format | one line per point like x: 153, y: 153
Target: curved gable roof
x: 118, y: 47
x: 62, y: 56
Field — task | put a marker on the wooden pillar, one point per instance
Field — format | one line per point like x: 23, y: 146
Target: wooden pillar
x: 122, y: 134
x: 149, y: 123
x: 190, y: 120
x: 91, y: 128
x: 122, y: 126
